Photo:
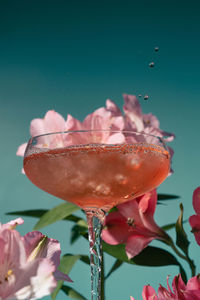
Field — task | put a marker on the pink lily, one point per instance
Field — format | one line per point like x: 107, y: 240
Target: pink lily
x: 194, y: 220
x: 133, y: 224
x: 28, y: 265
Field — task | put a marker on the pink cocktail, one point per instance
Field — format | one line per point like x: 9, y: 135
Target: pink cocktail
x: 96, y: 176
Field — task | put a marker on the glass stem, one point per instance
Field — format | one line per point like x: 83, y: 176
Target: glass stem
x: 95, y: 221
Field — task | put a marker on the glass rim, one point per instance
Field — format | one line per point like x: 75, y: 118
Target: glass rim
x: 159, y: 139
x: 98, y: 130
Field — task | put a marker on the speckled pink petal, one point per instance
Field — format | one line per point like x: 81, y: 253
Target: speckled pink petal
x: 50, y: 249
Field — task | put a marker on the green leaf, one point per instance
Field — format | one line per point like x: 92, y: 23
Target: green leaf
x: 71, y: 293
x: 183, y: 274
x: 85, y: 259
x: 66, y: 264
x: 77, y: 231
x: 115, y: 266
x: 150, y: 256
x: 162, y: 197
x: 170, y: 226
x: 55, y: 214
x: 181, y: 237
x: 38, y: 213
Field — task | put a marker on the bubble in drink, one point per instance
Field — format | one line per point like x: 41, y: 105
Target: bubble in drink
x: 146, y: 97
x: 151, y: 65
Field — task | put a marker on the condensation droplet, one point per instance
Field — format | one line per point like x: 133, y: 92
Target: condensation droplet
x: 146, y: 97
x: 139, y: 95
x: 156, y: 49
x: 151, y: 64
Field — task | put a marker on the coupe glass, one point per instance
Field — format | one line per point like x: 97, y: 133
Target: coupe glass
x: 96, y: 170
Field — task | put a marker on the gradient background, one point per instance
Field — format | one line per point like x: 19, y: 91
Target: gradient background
x: 71, y: 56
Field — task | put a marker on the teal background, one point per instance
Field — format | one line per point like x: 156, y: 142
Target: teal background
x: 71, y: 56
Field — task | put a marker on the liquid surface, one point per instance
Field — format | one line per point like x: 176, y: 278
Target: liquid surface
x: 98, y: 176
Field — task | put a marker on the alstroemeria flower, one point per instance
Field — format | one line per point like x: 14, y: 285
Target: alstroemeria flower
x: 179, y: 291
x: 195, y: 219
x: 147, y: 123
x: 105, y: 118
x: 52, y: 122
x: 133, y: 224
x: 28, y: 264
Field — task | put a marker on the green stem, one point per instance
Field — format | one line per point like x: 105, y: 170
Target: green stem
x: 102, y: 278
x: 185, y: 257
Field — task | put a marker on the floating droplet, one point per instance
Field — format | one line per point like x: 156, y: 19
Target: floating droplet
x: 151, y: 65
x: 146, y: 97
x: 156, y: 49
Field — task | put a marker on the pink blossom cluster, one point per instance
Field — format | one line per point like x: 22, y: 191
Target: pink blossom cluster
x: 28, y: 264
x: 179, y: 291
x: 108, y: 118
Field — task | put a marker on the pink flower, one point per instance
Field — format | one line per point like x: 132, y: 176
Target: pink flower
x: 195, y: 219
x: 105, y: 118
x: 179, y: 291
x: 147, y: 123
x: 28, y: 265
x: 52, y: 122
x: 133, y: 224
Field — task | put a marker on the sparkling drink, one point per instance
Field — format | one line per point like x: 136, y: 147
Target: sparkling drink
x: 97, y: 176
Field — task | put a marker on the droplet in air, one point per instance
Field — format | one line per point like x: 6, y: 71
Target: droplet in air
x: 151, y: 64
x: 146, y: 97
x: 156, y: 49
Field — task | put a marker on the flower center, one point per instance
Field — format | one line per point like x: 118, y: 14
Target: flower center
x: 130, y: 222
x: 6, y: 277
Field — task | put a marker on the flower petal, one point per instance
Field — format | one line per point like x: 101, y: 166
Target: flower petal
x: 50, y: 248
x: 135, y: 244
x: 116, y: 229
x: 196, y: 200
x: 21, y: 149
x: 149, y: 293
